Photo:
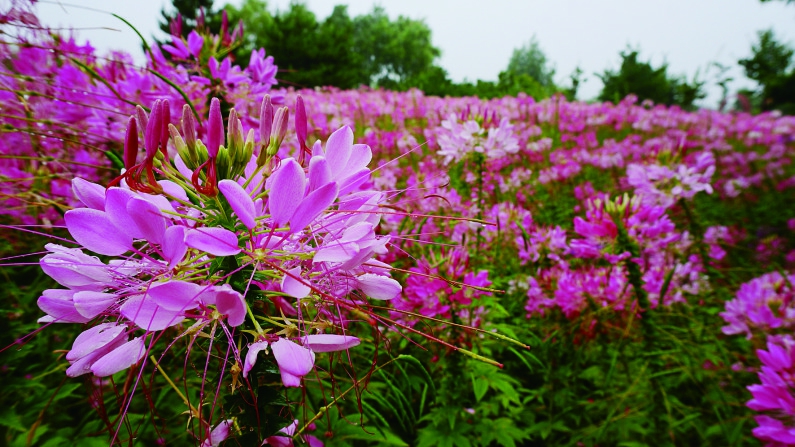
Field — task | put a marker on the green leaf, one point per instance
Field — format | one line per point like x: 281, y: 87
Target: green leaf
x: 480, y: 386
x: 8, y: 418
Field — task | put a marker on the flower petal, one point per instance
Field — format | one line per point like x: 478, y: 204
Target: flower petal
x: 93, y: 230
x: 148, y: 218
x: 251, y: 355
x: 58, y: 304
x: 147, y: 315
x: 338, y: 151
x: 329, y: 342
x: 337, y: 252
x: 287, y: 190
x: 174, y: 247
x: 95, y: 338
x: 116, y: 207
x: 120, y: 358
x: 294, y: 287
x: 214, y: 240
x: 311, y: 207
x: 378, y: 287
x: 231, y: 303
x: 176, y: 295
x: 293, y: 359
x: 240, y: 202
x: 91, y: 194
x: 90, y: 304
x: 319, y: 172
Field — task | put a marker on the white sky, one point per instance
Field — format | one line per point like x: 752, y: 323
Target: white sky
x: 477, y: 37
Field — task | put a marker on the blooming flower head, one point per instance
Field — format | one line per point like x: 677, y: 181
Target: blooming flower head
x: 189, y: 241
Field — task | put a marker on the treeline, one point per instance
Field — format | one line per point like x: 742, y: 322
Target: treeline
x: 374, y: 50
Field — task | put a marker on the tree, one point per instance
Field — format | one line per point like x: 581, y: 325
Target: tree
x: 393, y: 53
x: 640, y: 79
x: 340, y: 51
x: 771, y: 67
x: 530, y: 60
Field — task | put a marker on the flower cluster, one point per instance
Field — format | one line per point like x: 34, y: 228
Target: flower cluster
x: 227, y: 219
x: 65, y: 106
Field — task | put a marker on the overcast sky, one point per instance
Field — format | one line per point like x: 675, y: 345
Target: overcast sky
x: 478, y: 37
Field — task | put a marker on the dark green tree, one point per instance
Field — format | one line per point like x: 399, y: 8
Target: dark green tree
x: 339, y: 51
x: 770, y: 65
x: 393, y: 53
x: 644, y: 81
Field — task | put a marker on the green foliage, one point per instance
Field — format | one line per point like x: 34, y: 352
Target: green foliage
x: 531, y: 61
x: 770, y: 65
x: 340, y: 51
x: 644, y: 81
x: 393, y: 52
x: 374, y: 50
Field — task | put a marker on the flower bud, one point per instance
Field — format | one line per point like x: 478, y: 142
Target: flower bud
x: 215, y: 131
x: 188, y: 126
x: 248, y: 149
x: 265, y: 121
x: 279, y: 130
x: 140, y: 116
x: 165, y: 122
x: 130, y: 144
x: 153, y: 129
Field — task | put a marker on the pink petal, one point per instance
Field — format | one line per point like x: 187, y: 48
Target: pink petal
x: 120, y: 358
x: 116, y: 206
x: 219, y: 433
x: 311, y: 207
x: 338, y: 151
x: 173, y: 190
x: 354, y: 181
x: 74, y: 269
x: 358, y: 232
x: 176, y: 295
x: 58, y: 304
x: 91, y: 194
x: 289, y: 380
x: 294, y: 287
x: 215, y: 241
x: 251, y: 355
x: 195, y: 43
x: 378, y: 287
x: 174, y: 247
x: 361, y: 155
x: 337, y: 252
x: 148, y: 218
x: 317, y: 149
x: 329, y: 342
x: 319, y: 172
x: 95, y: 338
x: 230, y: 303
x: 293, y: 359
x: 83, y: 364
x: 287, y: 190
x: 240, y: 202
x: 90, y: 304
x: 93, y: 230
x: 147, y: 315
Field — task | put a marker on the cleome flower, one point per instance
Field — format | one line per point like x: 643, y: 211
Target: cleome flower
x: 188, y: 241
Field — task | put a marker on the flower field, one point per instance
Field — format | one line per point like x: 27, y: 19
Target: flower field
x: 196, y: 255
